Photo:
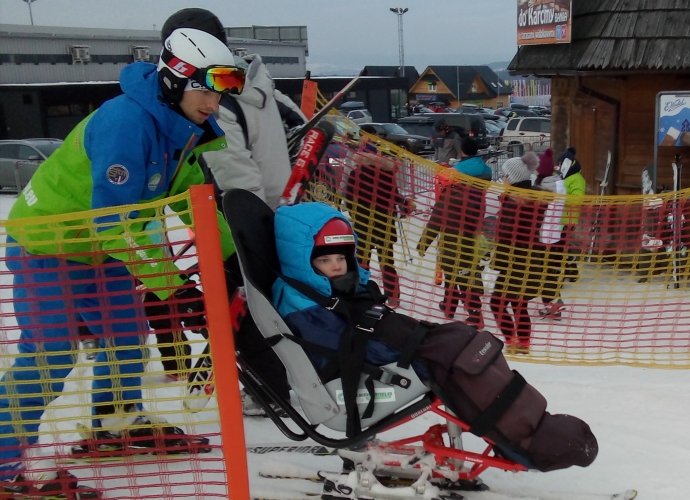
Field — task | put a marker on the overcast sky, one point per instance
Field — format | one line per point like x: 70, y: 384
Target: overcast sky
x: 343, y: 34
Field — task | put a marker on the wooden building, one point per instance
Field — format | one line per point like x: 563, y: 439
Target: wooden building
x: 457, y: 85
x: 605, y: 83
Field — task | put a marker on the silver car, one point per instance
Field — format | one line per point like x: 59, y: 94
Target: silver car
x: 19, y: 159
x: 358, y: 115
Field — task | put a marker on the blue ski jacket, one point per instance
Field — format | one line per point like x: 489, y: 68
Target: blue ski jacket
x: 134, y: 149
x: 473, y: 166
x: 295, y: 229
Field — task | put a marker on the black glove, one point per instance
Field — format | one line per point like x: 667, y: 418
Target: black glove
x: 157, y: 312
x: 189, y: 301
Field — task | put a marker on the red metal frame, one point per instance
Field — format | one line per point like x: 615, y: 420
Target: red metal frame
x: 433, y: 442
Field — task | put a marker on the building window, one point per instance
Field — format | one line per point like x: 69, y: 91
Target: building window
x: 27, y: 99
x: 473, y: 88
x: 432, y: 86
x: 499, y: 104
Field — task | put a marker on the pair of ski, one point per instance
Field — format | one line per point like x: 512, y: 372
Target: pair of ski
x: 342, y: 485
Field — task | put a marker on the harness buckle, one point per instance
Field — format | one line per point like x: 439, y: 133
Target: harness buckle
x: 334, y: 304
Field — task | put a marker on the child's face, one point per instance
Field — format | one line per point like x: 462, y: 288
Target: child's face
x: 332, y: 266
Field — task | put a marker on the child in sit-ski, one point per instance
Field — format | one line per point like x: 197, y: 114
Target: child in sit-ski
x: 316, y: 247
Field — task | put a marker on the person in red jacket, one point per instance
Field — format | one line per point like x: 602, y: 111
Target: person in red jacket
x: 519, y: 254
x: 374, y: 202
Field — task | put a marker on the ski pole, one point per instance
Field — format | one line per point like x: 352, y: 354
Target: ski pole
x: 405, y: 246
x: 596, y: 227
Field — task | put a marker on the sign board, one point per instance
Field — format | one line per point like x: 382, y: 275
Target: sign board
x: 672, y: 120
x: 673, y: 117
x: 543, y: 21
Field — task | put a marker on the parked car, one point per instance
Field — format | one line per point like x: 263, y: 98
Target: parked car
x: 27, y: 155
x: 394, y: 133
x: 358, y: 115
x: 350, y: 105
x: 513, y: 112
x: 422, y: 109
x: 533, y: 130
x: 463, y: 124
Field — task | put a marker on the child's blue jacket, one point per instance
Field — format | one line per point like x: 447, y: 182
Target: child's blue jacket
x: 295, y: 229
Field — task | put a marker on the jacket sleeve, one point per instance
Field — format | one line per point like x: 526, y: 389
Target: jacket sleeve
x: 457, y: 145
x: 192, y: 175
x: 289, y: 111
x: 119, y: 152
x: 234, y: 166
x: 432, y: 228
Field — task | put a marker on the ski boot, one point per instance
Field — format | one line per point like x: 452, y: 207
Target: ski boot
x: 475, y: 319
x: 137, y: 435
x: 62, y: 485
x: 553, y: 310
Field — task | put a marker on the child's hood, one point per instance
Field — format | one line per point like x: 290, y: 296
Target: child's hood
x: 295, y: 229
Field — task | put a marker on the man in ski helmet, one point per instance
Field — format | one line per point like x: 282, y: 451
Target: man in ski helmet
x: 254, y: 122
x: 137, y: 148
x: 256, y: 159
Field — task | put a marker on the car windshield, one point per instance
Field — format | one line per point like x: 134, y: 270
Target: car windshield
x: 392, y: 128
x: 47, y: 148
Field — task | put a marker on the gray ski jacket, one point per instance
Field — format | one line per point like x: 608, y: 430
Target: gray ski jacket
x: 260, y: 163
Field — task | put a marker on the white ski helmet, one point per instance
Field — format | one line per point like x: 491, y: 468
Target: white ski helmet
x: 191, y: 54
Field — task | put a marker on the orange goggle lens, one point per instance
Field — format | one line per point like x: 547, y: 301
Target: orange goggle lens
x: 225, y: 80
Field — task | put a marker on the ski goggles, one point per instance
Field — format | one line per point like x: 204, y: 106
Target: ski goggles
x: 221, y: 79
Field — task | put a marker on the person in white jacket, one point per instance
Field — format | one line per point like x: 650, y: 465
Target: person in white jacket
x: 257, y: 157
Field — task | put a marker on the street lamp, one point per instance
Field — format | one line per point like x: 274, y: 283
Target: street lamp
x: 31, y: 15
x: 399, y: 11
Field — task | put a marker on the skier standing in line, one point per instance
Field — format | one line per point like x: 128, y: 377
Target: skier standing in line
x: 457, y: 218
x: 136, y: 148
x: 447, y: 142
x: 518, y: 255
x: 374, y: 203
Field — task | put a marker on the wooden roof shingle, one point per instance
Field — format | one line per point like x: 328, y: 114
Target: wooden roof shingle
x: 616, y: 35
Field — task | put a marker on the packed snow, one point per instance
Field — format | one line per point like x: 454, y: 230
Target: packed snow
x: 639, y: 416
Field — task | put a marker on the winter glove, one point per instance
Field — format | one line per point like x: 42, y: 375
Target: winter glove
x: 189, y: 301
x: 157, y: 312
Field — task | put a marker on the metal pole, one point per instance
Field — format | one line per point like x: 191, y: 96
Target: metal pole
x: 457, y: 92
x: 399, y: 11
x: 31, y: 15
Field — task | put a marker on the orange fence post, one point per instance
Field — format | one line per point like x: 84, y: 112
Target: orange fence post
x: 309, y: 98
x: 222, y: 341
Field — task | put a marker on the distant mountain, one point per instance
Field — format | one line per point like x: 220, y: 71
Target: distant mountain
x: 498, y: 66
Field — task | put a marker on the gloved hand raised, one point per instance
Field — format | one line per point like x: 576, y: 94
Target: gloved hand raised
x: 189, y: 301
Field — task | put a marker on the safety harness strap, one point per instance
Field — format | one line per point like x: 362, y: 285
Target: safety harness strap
x: 413, y: 342
x: 487, y: 420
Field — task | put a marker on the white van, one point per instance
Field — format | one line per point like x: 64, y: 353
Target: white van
x: 535, y: 131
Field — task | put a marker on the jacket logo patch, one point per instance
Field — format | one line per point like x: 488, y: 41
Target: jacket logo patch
x: 117, y: 174
x: 154, y: 181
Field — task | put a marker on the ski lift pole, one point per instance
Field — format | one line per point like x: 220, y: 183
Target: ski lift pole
x: 676, y: 220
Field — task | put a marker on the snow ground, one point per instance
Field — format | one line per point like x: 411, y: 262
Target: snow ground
x: 639, y: 416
